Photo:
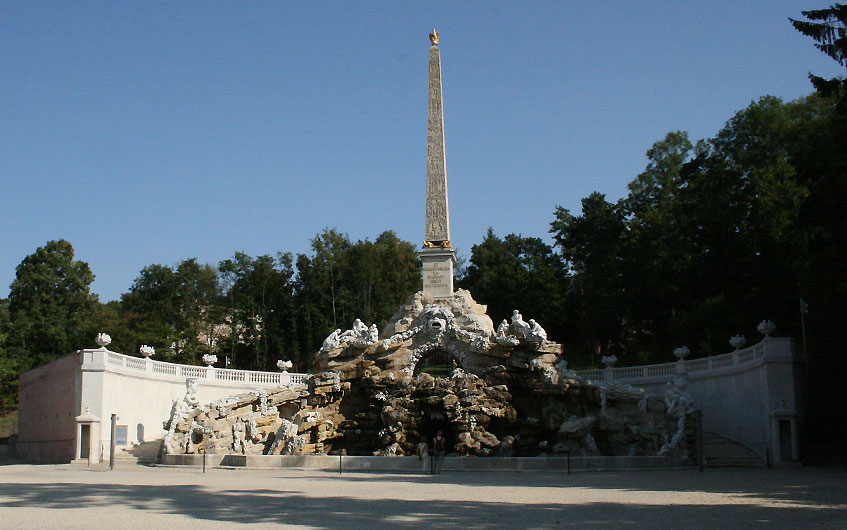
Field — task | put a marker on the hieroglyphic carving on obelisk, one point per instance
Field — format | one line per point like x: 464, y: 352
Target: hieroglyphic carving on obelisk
x: 437, y: 213
x: 438, y: 255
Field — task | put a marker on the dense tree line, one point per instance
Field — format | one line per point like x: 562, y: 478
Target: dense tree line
x: 254, y: 311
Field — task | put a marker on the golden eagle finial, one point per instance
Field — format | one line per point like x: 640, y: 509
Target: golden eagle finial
x: 433, y: 37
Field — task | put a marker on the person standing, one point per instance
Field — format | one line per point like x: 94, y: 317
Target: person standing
x: 423, y: 454
x: 439, y: 449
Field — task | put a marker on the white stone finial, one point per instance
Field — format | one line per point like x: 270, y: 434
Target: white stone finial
x: 147, y: 351
x: 209, y: 359
x: 103, y: 340
x: 681, y: 353
x: 738, y: 341
x: 766, y: 328
x: 284, y: 365
x: 609, y: 360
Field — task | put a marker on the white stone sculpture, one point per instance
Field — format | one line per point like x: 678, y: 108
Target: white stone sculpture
x: 372, y: 335
x: 222, y: 406
x: 262, y: 394
x: 766, y: 328
x: 179, y: 410
x: 681, y: 353
x: 503, y: 335
x: 679, y: 403
x: 738, y: 341
x: 437, y: 324
x: 209, y: 359
x: 359, y: 330
x: 284, y: 365
x: 360, y: 336
x: 287, y: 439
x: 536, y: 333
x: 252, y: 433
x: 103, y: 340
x: 519, y: 326
x: 147, y: 351
x: 239, y: 441
x: 548, y: 373
x: 564, y: 371
x: 609, y: 360
x: 332, y: 341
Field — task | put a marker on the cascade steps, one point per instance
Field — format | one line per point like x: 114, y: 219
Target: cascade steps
x: 720, y: 451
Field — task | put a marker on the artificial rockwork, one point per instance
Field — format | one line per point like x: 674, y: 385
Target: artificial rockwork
x: 440, y: 365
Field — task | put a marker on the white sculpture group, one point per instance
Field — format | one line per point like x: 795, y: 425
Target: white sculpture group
x: 510, y: 334
x: 360, y: 335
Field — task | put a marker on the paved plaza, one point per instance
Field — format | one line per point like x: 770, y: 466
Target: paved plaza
x: 73, y: 496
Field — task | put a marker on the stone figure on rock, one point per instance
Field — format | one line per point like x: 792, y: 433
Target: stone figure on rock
x: 503, y: 335
x: 519, y: 327
x: 536, y: 332
x: 332, y: 341
x: 372, y: 335
x: 239, y: 441
x: 360, y: 335
x: 179, y: 410
x: 285, y: 441
x: 359, y: 330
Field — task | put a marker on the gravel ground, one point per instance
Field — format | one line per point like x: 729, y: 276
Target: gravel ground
x: 72, y: 496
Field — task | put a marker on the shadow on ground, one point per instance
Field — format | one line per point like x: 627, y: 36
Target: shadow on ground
x: 790, y: 484
x: 264, y: 505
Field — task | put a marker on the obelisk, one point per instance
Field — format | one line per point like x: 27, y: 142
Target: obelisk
x: 437, y: 254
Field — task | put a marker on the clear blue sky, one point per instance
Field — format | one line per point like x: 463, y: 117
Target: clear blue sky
x: 151, y: 132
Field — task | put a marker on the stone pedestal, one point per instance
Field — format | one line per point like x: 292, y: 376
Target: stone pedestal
x: 438, y: 271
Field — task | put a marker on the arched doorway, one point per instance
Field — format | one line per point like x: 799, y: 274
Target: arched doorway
x: 437, y: 363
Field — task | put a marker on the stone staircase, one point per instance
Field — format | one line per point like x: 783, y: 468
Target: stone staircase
x: 720, y: 451
x: 144, y: 454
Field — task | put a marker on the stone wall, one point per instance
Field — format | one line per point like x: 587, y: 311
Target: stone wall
x: 49, y: 403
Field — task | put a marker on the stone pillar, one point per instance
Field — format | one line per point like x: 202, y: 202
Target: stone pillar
x: 438, y: 255
x: 437, y: 211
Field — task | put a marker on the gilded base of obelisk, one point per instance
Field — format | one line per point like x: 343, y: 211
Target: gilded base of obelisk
x: 437, y: 271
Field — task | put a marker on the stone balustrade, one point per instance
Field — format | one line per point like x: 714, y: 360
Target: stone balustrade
x: 102, y: 359
x: 657, y: 373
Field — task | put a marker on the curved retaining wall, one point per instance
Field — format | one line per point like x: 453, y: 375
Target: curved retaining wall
x: 749, y: 395
x: 71, y: 400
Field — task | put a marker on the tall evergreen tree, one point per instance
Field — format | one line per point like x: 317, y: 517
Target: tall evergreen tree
x: 828, y: 28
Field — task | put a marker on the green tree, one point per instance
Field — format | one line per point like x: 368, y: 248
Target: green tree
x: 340, y: 281
x: 828, y: 28
x: 592, y: 247
x: 260, y: 314
x: 50, y: 305
x: 172, y: 309
x: 518, y: 272
x: 9, y: 369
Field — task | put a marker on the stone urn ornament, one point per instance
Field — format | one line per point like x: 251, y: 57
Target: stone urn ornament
x: 209, y: 359
x: 284, y: 365
x: 681, y: 353
x: 147, y: 351
x: 103, y: 340
x: 609, y: 360
x: 766, y: 328
x: 737, y: 342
